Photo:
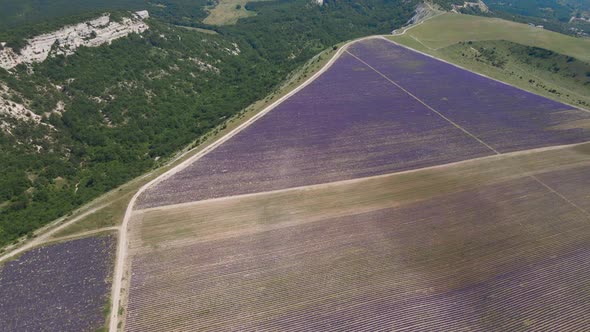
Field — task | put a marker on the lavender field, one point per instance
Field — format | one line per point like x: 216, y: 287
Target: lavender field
x: 60, y: 287
x: 506, y: 118
x: 352, y: 122
x: 348, y: 123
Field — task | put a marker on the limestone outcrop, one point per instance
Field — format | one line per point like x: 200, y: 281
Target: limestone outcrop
x: 66, y: 40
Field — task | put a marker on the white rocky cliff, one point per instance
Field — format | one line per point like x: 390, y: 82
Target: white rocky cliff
x: 14, y: 110
x: 66, y: 40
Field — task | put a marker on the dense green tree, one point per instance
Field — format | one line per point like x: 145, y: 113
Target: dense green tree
x: 142, y: 98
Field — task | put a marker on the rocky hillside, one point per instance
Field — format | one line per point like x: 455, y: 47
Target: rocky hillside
x: 73, y: 127
x: 479, y: 5
x: 16, y: 110
x: 11, y: 110
x: 93, y: 33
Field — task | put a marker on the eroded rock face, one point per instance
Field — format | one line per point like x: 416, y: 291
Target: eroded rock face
x: 66, y: 40
x: 14, y: 110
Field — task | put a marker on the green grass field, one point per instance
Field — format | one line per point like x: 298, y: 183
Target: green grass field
x: 501, y: 49
x: 448, y: 29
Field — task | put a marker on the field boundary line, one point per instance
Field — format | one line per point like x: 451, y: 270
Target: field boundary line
x: 123, y: 241
x: 45, y: 236
x: 82, y: 234
x: 428, y: 106
x: 477, y: 73
x: 562, y: 196
x: 368, y: 178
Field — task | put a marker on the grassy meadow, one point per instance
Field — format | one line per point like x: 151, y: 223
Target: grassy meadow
x: 509, y: 52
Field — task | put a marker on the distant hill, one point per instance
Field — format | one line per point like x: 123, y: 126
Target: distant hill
x: 26, y: 18
x: 545, y: 62
x: 568, y: 16
x: 448, y: 29
x: 550, y: 9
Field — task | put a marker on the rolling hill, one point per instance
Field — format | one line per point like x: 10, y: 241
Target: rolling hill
x: 542, y: 61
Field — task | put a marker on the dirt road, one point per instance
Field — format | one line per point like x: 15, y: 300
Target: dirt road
x: 44, y: 237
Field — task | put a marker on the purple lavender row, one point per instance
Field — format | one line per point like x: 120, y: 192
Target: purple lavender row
x: 503, y: 116
x: 348, y: 123
x: 60, y: 287
x: 548, y: 296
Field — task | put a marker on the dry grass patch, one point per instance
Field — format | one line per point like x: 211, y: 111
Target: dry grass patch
x: 228, y: 12
x: 448, y: 29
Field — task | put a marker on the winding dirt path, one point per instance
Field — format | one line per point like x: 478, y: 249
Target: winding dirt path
x: 45, y: 237
x: 405, y: 29
x: 83, y: 234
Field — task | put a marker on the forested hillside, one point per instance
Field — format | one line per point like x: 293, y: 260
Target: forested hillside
x: 27, y: 18
x: 105, y: 115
